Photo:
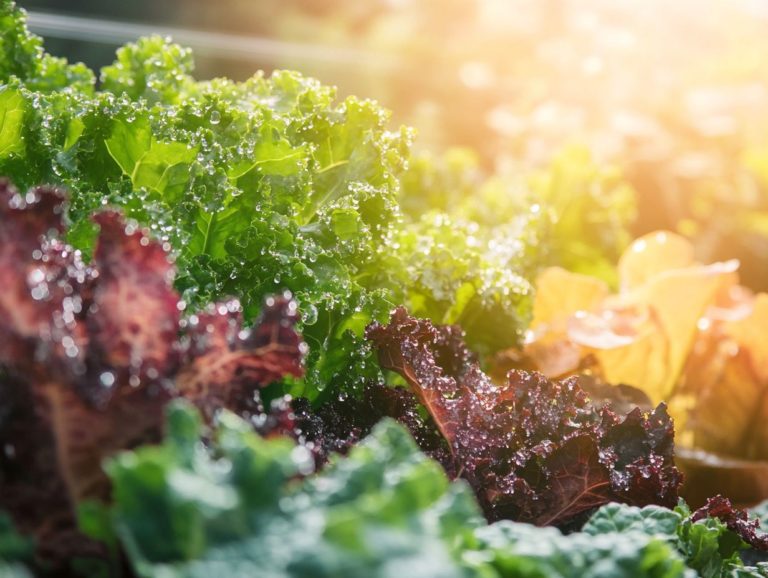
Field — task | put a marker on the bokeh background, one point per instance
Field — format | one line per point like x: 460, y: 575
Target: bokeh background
x: 674, y: 94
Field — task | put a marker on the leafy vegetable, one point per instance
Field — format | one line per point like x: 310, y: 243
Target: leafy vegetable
x: 451, y: 272
x: 709, y: 539
x: 643, y: 335
x: 591, y: 207
x: 234, y: 507
x: 523, y: 550
x: 386, y: 509
x: 89, y: 355
x: 726, y: 377
x: 680, y: 331
x: 382, y: 511
x: 573, y: 213
x: 470, y: 243
x: 22, y: 57
x: 735, y: 520
x: 260, y: 186
x: 271, y: 184
x: 533, y: 450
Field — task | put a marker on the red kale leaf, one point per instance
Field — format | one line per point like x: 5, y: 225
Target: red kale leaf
x: 737, y: 521
x: 534, y: 450
x: 90, y: 354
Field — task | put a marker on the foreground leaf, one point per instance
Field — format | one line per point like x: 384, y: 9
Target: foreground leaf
x: 383, y: 510
x: 90, y: 355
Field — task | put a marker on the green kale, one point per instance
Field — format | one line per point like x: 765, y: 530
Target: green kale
x: 260, y: 186
x: 236, y: 507
x: 708, y: 543
x: 452, y: 271
x: 183, y: 510
x: 573, y: 212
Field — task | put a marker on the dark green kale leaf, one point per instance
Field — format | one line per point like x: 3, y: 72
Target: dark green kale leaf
x: 236, y: 507
x: 384, y: 510
x: 709, y: 539
x: 523, y: 551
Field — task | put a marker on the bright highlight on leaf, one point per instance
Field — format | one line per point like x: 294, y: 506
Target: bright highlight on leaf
x: 162, y: 416
x: 680, y: 331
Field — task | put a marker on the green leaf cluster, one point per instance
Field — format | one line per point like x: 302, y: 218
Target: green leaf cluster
x: 182, y: 509
x: 244, y: 505
x: 258, y: 186
x: 274, y: 183
x: 573, y: 212
x: 707, y: 546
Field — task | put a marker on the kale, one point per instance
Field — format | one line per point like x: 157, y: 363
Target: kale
x: 533, y: 450
x: 91, y: 354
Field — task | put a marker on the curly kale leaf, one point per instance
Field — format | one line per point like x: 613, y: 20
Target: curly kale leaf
x: 385, y: 510
x: 261, y: 186
x: 709, y: 539
x: 453, y: 272
x: 22, y: 57
x: 90, y: 355
x: 581, y: 210
x: 533, y: 450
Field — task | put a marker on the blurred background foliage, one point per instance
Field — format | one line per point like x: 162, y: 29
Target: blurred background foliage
x: 671, y: 95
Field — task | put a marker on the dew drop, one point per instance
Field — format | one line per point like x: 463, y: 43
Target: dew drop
x: 107, y: 379
x: 302, y: 458
x: 309, y: 314
x: 36, y: 276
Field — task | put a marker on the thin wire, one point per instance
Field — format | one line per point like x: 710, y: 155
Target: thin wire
x: 240, y: 47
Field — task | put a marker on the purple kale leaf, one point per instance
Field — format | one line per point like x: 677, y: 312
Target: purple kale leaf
x: 534, y: 450
x: 91, y: 354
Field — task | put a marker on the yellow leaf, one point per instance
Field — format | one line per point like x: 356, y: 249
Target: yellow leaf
x: 560, y: 294
x: 676, y: 299
x: 730, y: 416
x: 651, y: 255
x: 750, y: 334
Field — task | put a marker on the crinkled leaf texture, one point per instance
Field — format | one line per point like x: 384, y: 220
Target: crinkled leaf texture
x: 521, y: 550
x: 260, y: 186
x: 90, y: 354
x: 709, y: 539
x: 737, y: 521
x: 534, y: 450
x: 385, y: 510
